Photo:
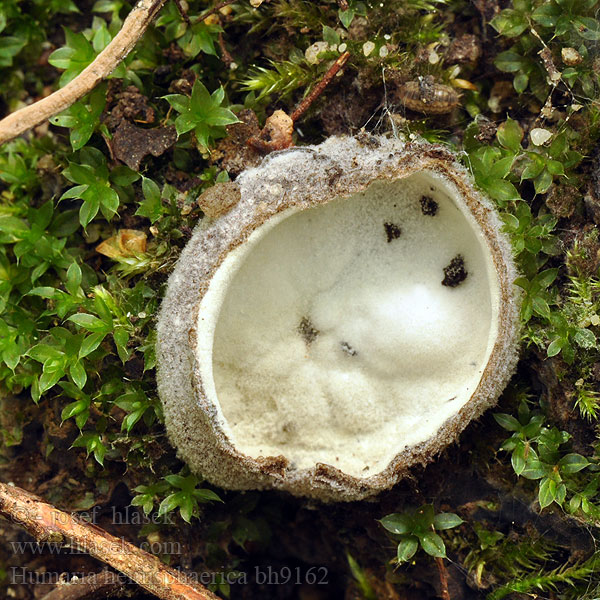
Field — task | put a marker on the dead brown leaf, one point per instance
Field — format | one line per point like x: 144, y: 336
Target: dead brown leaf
x: 127, y: 242
x: 131, y: 144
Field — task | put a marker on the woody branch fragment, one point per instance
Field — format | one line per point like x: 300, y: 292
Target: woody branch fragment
x: 47, y: 523
x: 103, y: 65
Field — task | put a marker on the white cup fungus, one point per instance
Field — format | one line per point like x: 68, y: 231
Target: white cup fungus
x: 345, y: 320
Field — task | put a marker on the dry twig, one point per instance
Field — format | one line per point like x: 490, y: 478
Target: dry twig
x: 183, y: 12
x: 279, y: 127
x: 318, y: 89
x: 443, y: 577
x: 225, y: 54
x: 49, y: 524
x: 103, y: 65
x: 211, y: 11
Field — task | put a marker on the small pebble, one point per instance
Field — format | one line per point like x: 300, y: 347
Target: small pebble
x: 570, y: 57
x: 312, y: 52
x: 368, y: 47
x: 434, y: 57
x: 539, y: 136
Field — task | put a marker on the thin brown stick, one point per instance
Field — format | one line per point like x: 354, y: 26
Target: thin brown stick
x: 318, y: 89
x: 225, y: 55
x: 182, y: 12
x: 279, y: 127
x: 96, y: 586
x: 213, y: 10
x: 49, y: 524
x: 103, y: 65
x: 443, y: 577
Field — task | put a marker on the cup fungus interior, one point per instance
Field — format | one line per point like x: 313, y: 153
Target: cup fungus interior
x: 347, y: 332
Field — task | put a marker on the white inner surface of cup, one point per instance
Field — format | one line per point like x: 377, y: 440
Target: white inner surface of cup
x: 328, y: 337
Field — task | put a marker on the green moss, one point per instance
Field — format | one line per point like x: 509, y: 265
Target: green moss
x: 77, y: 327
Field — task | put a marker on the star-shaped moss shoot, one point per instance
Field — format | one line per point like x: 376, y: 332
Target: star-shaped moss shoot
x: 202, y: 113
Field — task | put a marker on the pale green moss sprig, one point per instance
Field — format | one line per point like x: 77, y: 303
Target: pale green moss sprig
x: 577, y: 577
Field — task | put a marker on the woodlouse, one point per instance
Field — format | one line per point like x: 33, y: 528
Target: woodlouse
x: 426, y: 96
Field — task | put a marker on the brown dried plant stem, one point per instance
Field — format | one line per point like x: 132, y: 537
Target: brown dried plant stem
x: 103, y: 65
x: 182, y: 12
x: 443, y: 578
x: 318, y: 89
x: 279, y: 127
x: 211, y: 11
x: 225, y: 54
x: 47, y: 523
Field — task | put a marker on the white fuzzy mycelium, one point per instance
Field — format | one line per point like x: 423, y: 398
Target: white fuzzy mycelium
x: 346, y: 319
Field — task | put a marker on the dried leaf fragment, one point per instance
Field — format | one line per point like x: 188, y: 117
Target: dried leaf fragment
x: 233, y: 153
x: 465, y: 49
x: 127, y: 242
x: 130, y: 144
x: 276, y: 134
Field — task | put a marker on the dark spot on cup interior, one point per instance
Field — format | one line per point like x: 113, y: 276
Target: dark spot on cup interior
x: 455, y: 273
x: 392, y: 231
x: 429, y: 206
x: 307, y: 330
x: 348, y: 349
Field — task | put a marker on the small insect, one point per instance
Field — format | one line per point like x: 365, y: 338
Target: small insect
x: 426, y: 96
